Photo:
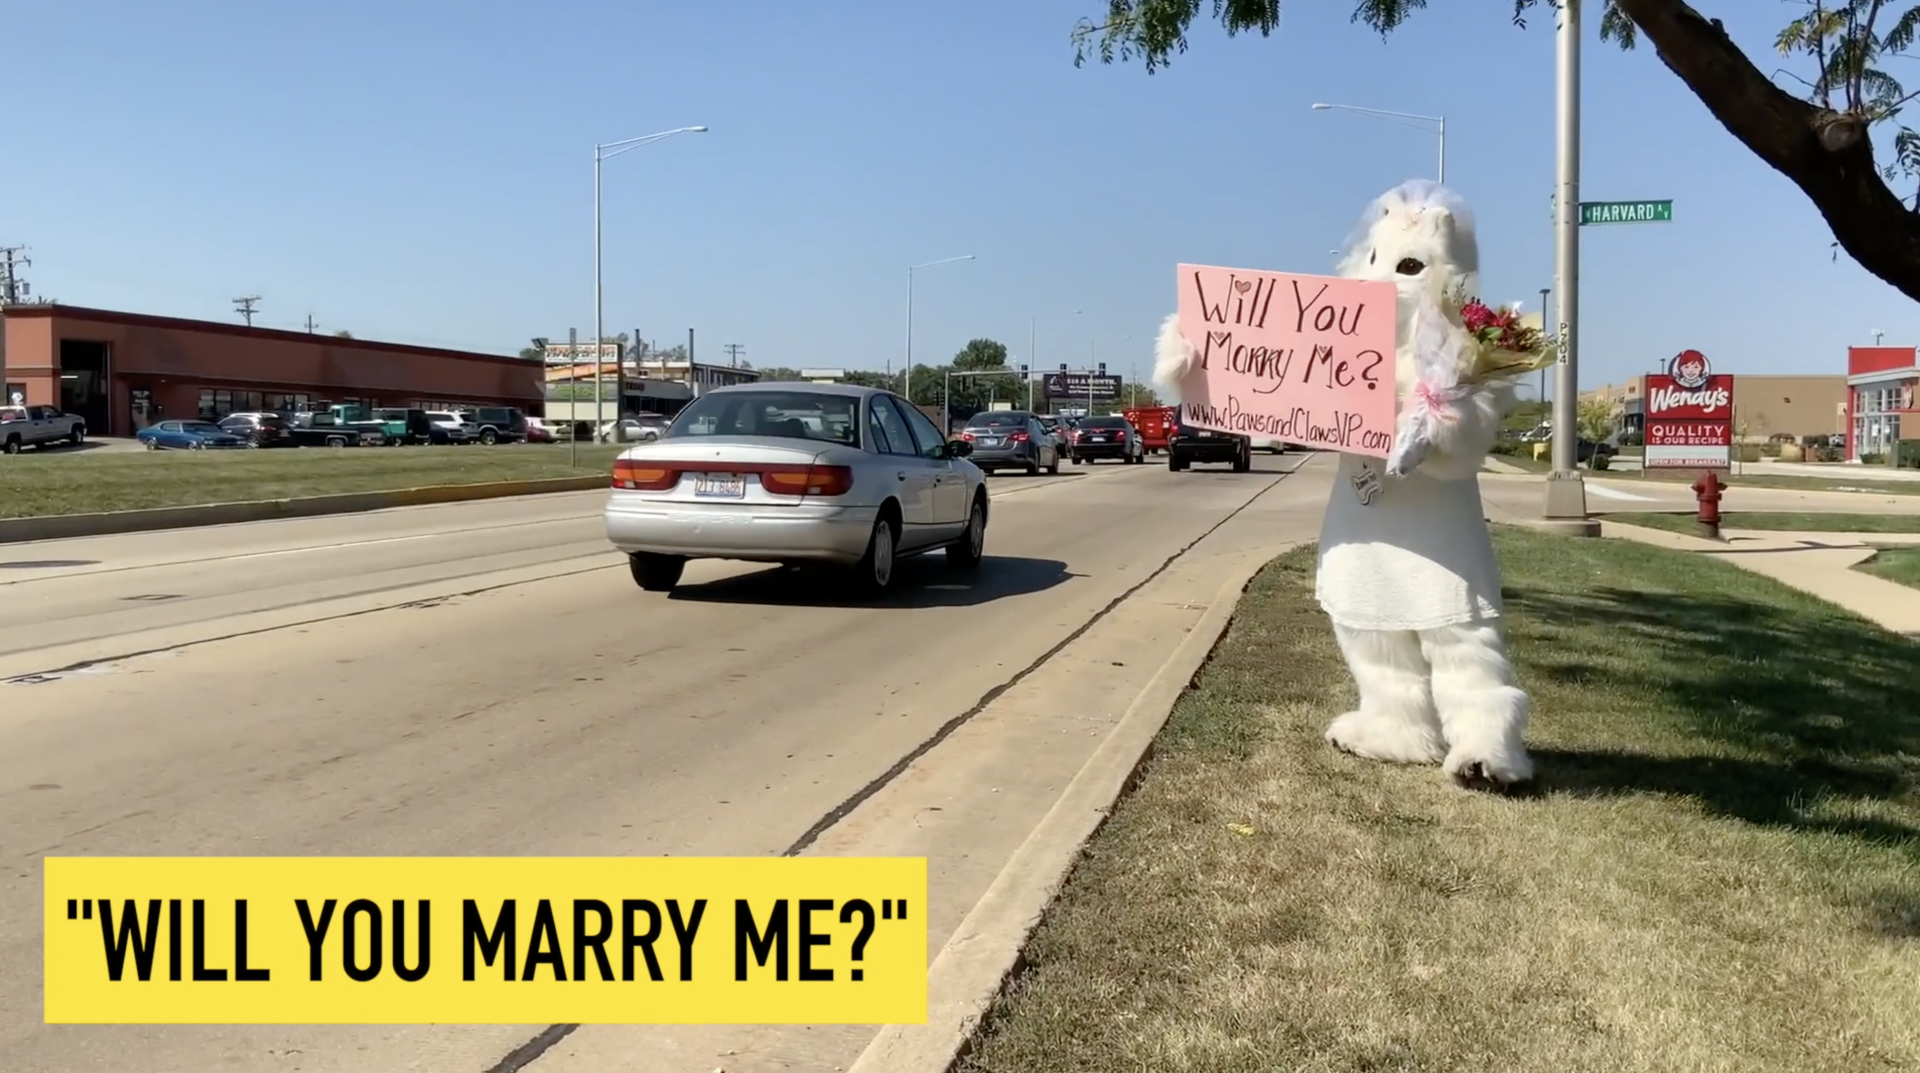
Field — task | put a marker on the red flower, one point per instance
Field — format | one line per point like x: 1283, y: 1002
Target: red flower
x: 1475, y: 315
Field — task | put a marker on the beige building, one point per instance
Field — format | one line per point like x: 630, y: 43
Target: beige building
x: 1764, y: 406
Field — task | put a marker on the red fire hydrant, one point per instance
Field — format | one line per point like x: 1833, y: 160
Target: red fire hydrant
x: 1707, y: 490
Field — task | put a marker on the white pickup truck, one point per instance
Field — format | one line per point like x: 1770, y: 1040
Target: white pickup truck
x: 38, y: 426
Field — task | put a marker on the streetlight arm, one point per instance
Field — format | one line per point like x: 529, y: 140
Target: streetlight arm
x: 942, y: 261
x: 629, y: 144
x: 1379, y: 112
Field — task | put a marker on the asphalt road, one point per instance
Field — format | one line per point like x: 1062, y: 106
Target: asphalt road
x: 484, y: 679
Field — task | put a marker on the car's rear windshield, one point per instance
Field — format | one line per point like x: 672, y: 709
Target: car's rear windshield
x: 1103, y: 422
x: 997, y: 417
x: 786, y: 415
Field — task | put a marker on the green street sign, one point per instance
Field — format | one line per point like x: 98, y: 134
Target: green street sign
x: 1625, y: 212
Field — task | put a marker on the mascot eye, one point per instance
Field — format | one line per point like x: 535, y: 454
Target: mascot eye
x: 1409, y: 266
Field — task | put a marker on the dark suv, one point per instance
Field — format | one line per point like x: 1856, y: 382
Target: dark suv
x: 496, y: 424
x: 1187, y: 445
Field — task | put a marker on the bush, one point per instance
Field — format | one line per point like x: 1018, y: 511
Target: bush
x: 1873, y: 458
x: 1770, y: 449
x: 1600, y: 461
x: 1507, y: 447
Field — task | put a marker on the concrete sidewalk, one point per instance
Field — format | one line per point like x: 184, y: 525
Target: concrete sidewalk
x: 1817, y: 563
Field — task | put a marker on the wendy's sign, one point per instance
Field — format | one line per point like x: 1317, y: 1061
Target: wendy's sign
x: 1305, y: 359
x: 1689, y: 415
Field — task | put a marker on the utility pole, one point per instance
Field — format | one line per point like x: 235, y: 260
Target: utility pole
x: 12, y: 287
x: 734, y: 351
x: 1566, y: 506
x: 310, y: 324
x: 244, y: 306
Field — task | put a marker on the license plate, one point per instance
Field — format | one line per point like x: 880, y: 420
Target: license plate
x: 719, y: 486
x: 1096, y: 439
x: 989, y: 441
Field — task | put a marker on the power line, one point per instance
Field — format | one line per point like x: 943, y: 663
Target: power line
x: 244, y: 306
x: 734, y: 350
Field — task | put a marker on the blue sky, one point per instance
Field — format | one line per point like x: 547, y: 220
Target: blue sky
x: 421, y: 171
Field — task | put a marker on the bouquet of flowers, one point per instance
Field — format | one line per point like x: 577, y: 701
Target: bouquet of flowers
x: 1502, y: 346
x: 1460, y: 343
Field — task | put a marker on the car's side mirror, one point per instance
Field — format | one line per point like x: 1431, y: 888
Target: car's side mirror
x: 959, y: 448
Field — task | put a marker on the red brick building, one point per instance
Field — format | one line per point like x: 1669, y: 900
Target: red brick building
x: 123, y: 371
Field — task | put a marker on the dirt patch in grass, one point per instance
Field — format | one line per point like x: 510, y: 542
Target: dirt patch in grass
x: 1775, y: 521
x: 1900, y: 564
x: 36, y: 484
x: 1721, y: 871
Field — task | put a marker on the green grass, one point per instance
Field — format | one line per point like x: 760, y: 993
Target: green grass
x: 1900, y: 564
x: 1721, y: 869
x: 37, y: 484
x: 1775, y: 521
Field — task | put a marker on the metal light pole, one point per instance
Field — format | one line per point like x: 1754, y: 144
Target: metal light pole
x: 907, y: 377
x: 1566, y: 492
x: 603, y: 153
x: 1402, y: 118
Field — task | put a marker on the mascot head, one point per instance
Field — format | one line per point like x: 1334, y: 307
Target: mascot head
x: 1418, y: 236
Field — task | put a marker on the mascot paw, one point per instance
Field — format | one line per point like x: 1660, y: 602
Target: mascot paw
x: 1394, y: 741
x: 1499, y: 769
x: 1173, y: 357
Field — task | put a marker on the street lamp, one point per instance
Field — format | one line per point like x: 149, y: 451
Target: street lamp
x: 1406, y: 119
x: 602, y: 153
x: 907, y: 380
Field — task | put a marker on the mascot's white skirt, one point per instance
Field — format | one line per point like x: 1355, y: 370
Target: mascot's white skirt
x: 1419, y: 557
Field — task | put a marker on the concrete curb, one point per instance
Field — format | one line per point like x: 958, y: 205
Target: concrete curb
x: 983, y: 954
x: 67, y: 526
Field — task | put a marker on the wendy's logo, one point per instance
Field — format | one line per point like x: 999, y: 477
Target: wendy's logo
x: 1690, y: 370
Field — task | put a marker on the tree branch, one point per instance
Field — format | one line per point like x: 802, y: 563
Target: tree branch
x: 1827, y: 154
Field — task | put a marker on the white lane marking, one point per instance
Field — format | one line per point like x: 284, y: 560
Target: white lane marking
x: 1605, y: 492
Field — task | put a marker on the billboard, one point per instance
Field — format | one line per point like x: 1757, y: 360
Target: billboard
x: 571, y: 353
x: 1067, y: 387
x: 1689, y: 415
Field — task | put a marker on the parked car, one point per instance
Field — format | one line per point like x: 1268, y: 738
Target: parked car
x: 263, y: 428
x: 496, y: 424
x: 635, y: 428
x: 405, y: 425
x: 538, y: 432
x: 797, y: 473
x: 1187, y: 444
x: 189, y: 436
x: 38, y: 426
x: 449, y: 428
x: 1004, y: 439
x: 1107, y: 436
x: 324, y: 429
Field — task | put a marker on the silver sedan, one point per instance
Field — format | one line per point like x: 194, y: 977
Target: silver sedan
x: 797, y: 474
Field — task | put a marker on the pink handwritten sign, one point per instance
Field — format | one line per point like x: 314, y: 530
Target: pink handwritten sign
x: 1305, y: 359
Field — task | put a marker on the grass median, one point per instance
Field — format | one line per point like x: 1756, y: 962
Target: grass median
x: 37, y: 484
x: 1897, y: 564
x: 1784, y: 521
x: 1721, y: 871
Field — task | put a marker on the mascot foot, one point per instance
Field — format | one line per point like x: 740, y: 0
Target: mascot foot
x: 1501, y: 769
x: 1395, y: 741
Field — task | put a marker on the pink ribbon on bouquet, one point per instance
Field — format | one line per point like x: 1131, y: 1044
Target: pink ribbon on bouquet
x: 1438, y: 401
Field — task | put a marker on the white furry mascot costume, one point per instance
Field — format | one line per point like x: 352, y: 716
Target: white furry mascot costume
x: 1406, y: 569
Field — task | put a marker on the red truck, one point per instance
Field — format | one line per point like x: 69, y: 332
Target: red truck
x: 1154, y: 422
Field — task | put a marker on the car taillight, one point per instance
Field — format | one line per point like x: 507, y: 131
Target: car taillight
x: 637, y: 476
x: 807, y: 480
x: 1018, y: 437
x: 1119, y: 435
x: 967, y: 436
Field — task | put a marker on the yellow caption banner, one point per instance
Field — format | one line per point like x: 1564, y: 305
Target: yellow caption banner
x: 486, y: 940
